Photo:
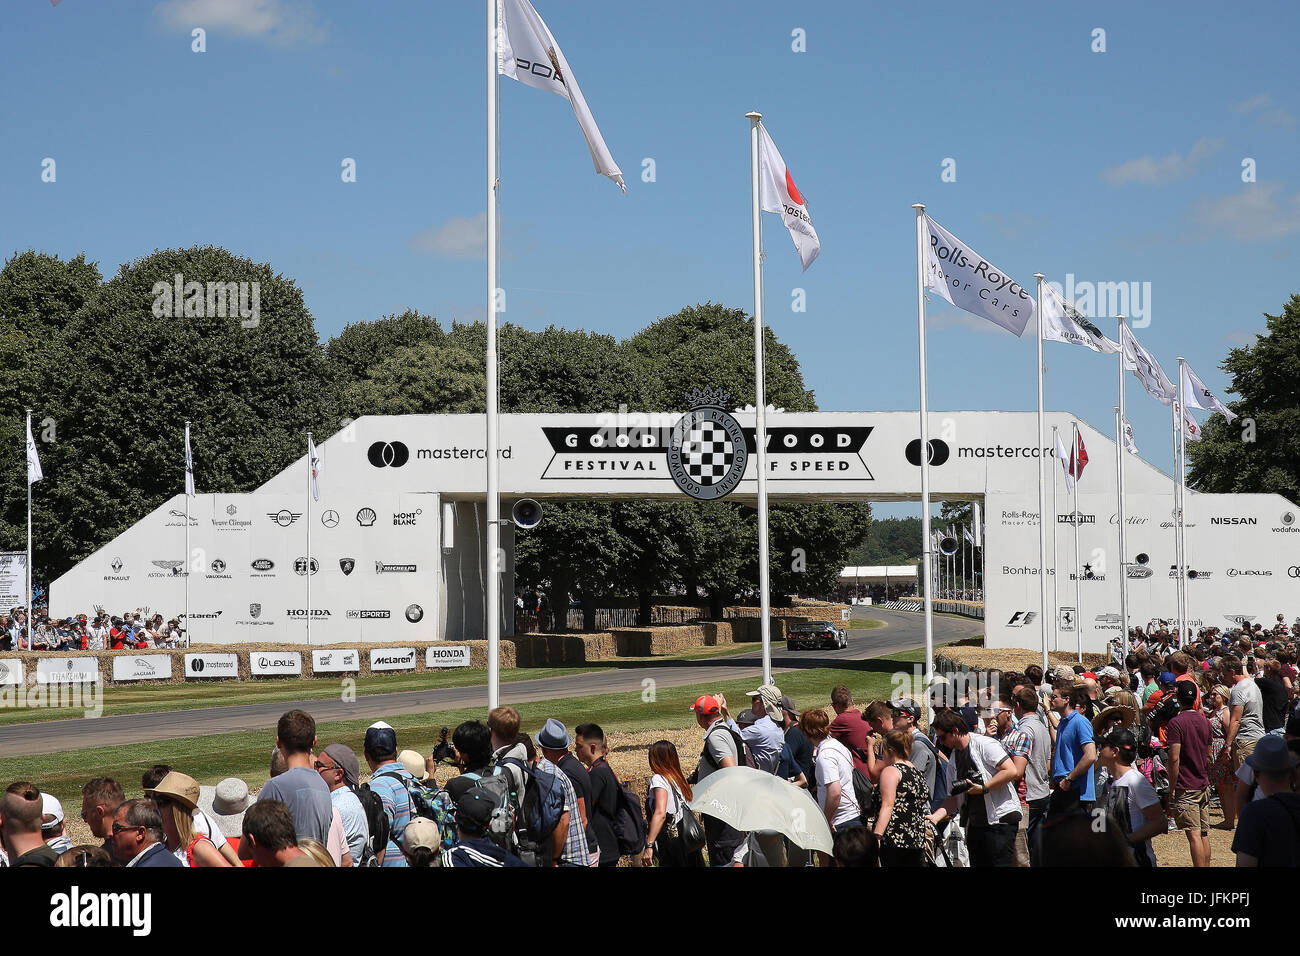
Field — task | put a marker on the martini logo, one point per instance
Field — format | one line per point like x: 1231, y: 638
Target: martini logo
x: 300, y: 566
x: 388, y: 454
x: 414, y: 613
x: 284, y: 517
x: 1069, y: 519
x: 346, y: 565
x: 366, y: 517
x: 330, y: 519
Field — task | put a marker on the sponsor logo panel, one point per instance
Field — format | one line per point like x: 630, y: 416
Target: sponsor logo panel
x: 275, y: 662
x: 67, y: 670
x: 144, y: 667
x: 446, y: 657
x: 211, y: 665
x: 392, y: 658
x: 336, y: 661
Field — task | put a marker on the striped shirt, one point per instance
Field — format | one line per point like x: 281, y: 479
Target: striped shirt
x: 575, y: 846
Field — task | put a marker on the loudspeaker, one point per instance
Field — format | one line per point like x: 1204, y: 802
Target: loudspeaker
x: 526, y: 514
x: 1143, y: 558
x: 947, y: 546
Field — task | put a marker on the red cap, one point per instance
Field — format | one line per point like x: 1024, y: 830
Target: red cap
x: 1089, y: 675
x: 706, y: 705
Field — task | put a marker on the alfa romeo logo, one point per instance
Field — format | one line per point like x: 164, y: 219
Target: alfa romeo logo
x: 707, y: 453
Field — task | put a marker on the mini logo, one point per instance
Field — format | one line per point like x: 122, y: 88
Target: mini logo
x: 346, y: 565
x: 218, y: 566
x: 366, y: 517
x: 284, y: 517
x: 116, y: 565
x: 388, y: 454
x: 300, y: 566
x: 406, y: 517
x: 231, y: 510
x: 706, y: 451
x: 255, y: 611
x: 263, y: 564
x: 330, y: 519
x: 1021, y: 618
x: 939, y: 452
x: 414, y: 613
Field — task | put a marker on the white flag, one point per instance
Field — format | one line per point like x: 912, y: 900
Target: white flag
x: 189, y: 466
x: 970, y: 538
x: 34, y: 473
x: 1191, y: 428
x: 1198, y: 396
x: 1063, y: 457
x: 1062, y: 322
x: 979, y: 536
x: 956, y: 272
x: 527, y: 52
x: 317, y: 466
x: 779, y: 194
x: 1130, y: 443
x: 1148, y: 371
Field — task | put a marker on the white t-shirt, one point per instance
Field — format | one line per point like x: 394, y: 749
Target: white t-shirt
x: 1140, y: 796
x: 672, y: 806
x: 204, y: 825
x: 986, y: 753
x: 834, y: 764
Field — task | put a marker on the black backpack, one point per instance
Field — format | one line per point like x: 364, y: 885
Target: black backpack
x: 629, y: 819
x: 377, y: 820
x: 743, y: 757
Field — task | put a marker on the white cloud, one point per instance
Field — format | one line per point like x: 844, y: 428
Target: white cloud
x: 1261, y: 103
x: 460, y: 237
x: 1258, y: 211
x: 279, y: 21
x: 1159, y: 170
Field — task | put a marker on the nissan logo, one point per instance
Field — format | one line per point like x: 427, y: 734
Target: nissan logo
x: 938, y: 451
x: 1293, y: 571
x: 388, y: 454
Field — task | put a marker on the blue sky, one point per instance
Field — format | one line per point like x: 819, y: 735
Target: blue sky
x: 1115, y: 166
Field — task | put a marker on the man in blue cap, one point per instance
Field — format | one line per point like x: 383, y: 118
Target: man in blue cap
x: 390, y: 780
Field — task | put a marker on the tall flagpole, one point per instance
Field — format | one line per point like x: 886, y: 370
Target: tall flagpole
x: 1119, y: 491
x: 308, y: 568
x: 1042, y: 477
x: 492, y: 558
x: 760, y: 401
x: 1179, y: 526
x: 185, y: 565
x: 30, y: 609
x: 1078, y: 601
x: 925, y: 440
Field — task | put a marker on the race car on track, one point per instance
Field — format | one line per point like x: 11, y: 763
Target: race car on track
x: 816, y: 635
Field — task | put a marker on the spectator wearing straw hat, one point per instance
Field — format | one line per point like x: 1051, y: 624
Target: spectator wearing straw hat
x: 176, y: 796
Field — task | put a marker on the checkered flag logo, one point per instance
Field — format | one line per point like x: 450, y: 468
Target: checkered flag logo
x: 707, y: 453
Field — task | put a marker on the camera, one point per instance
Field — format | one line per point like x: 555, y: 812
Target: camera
x: 443, y: 751
x: 961, y: 786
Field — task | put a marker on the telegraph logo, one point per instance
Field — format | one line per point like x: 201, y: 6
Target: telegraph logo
x: 939, y: 452
x: 388, y: 454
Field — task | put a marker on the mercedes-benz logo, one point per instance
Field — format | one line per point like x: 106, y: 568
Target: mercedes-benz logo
x: 330, y: 519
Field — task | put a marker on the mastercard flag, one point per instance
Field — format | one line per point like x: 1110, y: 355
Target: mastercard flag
x: 780, y: 195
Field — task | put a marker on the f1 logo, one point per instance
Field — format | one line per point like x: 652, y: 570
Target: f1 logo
x: 1021, y: 618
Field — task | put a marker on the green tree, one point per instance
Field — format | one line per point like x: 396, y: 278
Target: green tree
x: 362, y: 346
x: 1260, y: 451
x: 809, y: 545
x: 424, y: 379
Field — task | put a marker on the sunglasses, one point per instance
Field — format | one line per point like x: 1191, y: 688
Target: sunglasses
x: 120, y: 827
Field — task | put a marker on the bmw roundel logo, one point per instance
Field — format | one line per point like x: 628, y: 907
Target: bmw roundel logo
x: 414, y: 613
x: 388, y: 454
x: 938, y: 452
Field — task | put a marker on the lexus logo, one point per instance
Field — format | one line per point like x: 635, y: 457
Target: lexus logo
x: 938, y: 451
x: 388, y: 454
x: 1293, y: 571
x: 330, y: 519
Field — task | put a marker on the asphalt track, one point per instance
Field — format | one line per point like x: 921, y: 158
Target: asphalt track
x: 903, y: 632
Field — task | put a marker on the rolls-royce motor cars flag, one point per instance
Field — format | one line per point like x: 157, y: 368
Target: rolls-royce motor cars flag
x: 958, y: 273
x: 527, y: 52
x: 780, y: 195
x: 1198, y: 396
x: 1062, y: 322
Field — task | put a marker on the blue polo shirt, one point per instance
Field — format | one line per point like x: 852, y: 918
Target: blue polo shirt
x: 397, y: 806
x: 1072, y: 733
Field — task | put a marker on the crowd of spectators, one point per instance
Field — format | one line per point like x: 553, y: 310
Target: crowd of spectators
x: 132, y: 630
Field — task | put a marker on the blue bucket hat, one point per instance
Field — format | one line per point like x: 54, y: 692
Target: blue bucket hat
x: 554, y: 736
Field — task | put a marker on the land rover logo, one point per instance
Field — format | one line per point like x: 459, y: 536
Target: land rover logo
x: 346, y: 565
x: 255, y: 610
x: 263, y: 564
x: 330, y: 519
x: 707, y: 453
x: 414, y: 613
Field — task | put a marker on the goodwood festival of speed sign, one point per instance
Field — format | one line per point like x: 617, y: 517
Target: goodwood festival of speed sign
x: 707, y: 452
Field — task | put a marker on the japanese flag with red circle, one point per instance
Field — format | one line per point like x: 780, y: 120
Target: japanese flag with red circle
x: 779, y: 194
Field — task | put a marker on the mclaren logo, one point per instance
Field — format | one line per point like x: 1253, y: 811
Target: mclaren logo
x: 388, y: 454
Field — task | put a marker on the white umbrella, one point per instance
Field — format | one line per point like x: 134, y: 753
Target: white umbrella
x: 750, y: 800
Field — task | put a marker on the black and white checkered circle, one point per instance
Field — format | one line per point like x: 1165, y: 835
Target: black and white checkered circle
x: 707, y: 452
